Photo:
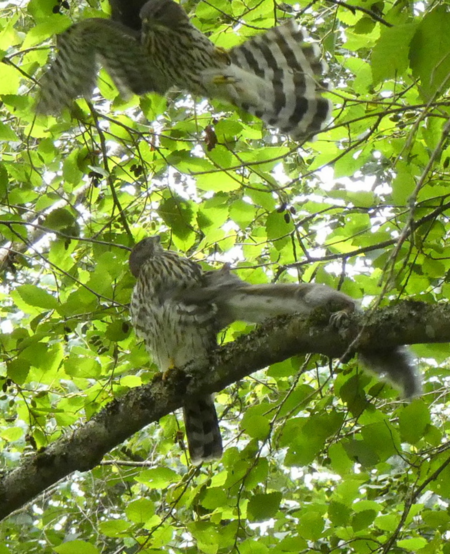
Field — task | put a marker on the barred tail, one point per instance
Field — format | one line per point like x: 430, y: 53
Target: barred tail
x: 399, y: 367
x: 287, y: 75
x: 202, y: 429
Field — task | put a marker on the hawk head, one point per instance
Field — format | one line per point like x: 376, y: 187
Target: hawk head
x: 163, y: 13
x: 143, y: 251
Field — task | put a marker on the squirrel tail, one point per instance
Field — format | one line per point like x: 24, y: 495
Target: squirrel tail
x: 398, y: 366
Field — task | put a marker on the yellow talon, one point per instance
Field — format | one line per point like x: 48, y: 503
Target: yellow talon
x: 223, y: 80
x: 171, y: 367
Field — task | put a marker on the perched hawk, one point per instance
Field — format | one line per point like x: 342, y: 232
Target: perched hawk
x: 178, y: 309
x: 276, y: 76
x: 176, y: 334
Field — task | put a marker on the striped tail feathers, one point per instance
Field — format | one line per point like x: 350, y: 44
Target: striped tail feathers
x: 290, y: 80
x: 202, y: 429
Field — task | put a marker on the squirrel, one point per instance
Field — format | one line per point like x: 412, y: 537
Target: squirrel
x: 238, y: 300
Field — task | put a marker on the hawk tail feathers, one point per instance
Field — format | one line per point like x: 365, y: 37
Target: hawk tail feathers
x: 202, y: 429
x: 283, y: 82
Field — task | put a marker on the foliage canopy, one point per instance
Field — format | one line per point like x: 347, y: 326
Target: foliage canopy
x: 314, y: 462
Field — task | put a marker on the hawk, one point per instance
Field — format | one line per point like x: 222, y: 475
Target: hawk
x: 176, y: 334
x: 178, y: 310
x: 276, y: 76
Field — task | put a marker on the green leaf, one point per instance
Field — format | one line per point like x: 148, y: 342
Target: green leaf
x: 159, y: 478
x: 118, y: 330
x: 18, y: 370
x: 264, y: 506
x: 60, y: 219
x: 4, y: 180
x: 278, y: 226
x: 114, y: 527
x: 6, y: 133
x: 311, y: 525
x: 256, y: 426
x: 390, y: 56
x: 52, y: 25
x: 338, y: 513
x: 214, y: 498
x: 9, y: 79
x: 11, y: 434
x: 363, y: 520
x: 387, y: 522
x: 242, y: 213
x: 404, y: 184
x: 224, y: 182
x: 414, y: 545
x: 36, y: 296
x: 178, y: 214
x: 382, y: 438
x: 429, y: 52
x: 76, y: 547
x: 413, y: 420
x: 140, y: 511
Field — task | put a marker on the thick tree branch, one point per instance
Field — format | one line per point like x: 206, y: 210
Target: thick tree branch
x: 277, y: 340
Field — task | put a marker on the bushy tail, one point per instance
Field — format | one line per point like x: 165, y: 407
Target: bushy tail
x: 398, y: 366
x: 202, y: 429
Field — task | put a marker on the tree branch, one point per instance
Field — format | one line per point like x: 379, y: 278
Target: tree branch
x: 275, y: 341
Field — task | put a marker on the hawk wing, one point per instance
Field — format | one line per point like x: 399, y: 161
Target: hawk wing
x: 85, y: 46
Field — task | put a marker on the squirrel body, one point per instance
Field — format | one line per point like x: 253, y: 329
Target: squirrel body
x: 238, y: 300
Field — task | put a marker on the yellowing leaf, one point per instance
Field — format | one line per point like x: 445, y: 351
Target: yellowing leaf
x: 11, y: 434
x: 9, y: 79
x: 51, y: 26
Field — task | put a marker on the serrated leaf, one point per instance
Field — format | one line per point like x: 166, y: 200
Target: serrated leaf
x: 59, y: 219
x: 264, y: 506
x: 35, y: 296
x: 140, y: 511
x: 413, y: 421
x: 76, y: 547
x: 114, y: 527
x: 6, y: 133
x: 18, y: 370
x: 178, y: 214
x: 159, y: 478
x: 390, y: 56
x: 42, y: 31
x: 429, y: 52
